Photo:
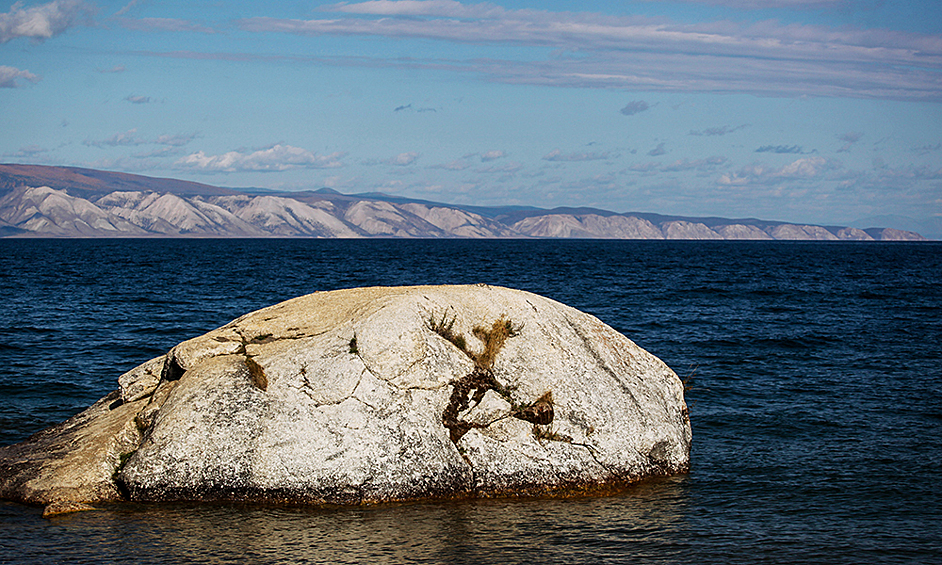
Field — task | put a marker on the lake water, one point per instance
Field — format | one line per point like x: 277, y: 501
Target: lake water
x: 816, y: 399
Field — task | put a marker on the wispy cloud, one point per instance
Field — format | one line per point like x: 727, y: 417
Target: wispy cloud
x: 926, y: 149
x: 10, y: 77
x: 409, y: 107
x: 31, y: 152
x: 782, y: 149
x: 114, y: 69
x: 178, y: 140
x: 702, y: 165
x: 159, y: 152
x: 127, y: 7
x: 658, y: 151
x: 649, y: 167
x: 650, y: 54
x: 707, y: 164
x: 911, y: 173
x: 131, y: 138
x: 849, y: 139
x: 44, y: 21
x: 557, y: 155
x: 456, y: 165
x: 770, y: 4
x: 127, y: 138
x: 634, y: 107
x: 165, y: 24
x: 492, y: 155
x: 444, y: 8
x: 505, y: 168
x: 719, y: 130
x: 137, y: 99
x: 274, y: 158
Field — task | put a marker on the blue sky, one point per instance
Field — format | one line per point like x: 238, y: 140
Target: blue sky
x: 818, y: 111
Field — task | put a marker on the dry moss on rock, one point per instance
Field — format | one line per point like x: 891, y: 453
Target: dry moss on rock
x: 471, y: 388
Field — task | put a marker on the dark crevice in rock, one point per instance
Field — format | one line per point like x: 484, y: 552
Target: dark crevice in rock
x: 242, y: 350
x: 257, y: 373
x: 264, y: 338
x: 172, y: 370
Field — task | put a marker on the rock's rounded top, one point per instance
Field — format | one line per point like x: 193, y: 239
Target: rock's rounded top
x: 387, y: 393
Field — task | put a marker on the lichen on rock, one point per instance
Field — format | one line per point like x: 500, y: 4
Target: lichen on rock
x: 370, y: 395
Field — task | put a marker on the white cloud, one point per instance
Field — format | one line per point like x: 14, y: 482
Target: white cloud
x: 275, y: 158
x: 44, y: 21
x: 403, y: 159
x: 137, y: 99
x: 809, y: 167
x: 805, y: 169
x: 492, y: 155
x: 9, y: 77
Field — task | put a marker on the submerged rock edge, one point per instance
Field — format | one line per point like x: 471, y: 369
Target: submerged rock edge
x: 401, y: 390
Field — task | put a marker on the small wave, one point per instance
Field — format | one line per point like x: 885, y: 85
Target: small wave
x: 795, y: 343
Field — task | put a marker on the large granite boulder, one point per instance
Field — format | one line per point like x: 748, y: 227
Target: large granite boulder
x: 369, y: 395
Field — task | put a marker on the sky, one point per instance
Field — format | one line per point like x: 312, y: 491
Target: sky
x: 813, y: 111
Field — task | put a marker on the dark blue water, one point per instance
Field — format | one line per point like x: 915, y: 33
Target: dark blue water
x: 816, y: 396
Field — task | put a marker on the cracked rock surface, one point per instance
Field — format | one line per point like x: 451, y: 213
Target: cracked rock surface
x: 343, y: 396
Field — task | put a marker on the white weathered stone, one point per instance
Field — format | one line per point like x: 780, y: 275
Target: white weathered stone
x: 343, y: 396
x: 142, y: 380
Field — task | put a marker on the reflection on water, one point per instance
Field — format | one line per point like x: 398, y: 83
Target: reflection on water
x: 634, y: 525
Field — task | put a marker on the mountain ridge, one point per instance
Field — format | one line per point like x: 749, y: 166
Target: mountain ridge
x: 48, y: 201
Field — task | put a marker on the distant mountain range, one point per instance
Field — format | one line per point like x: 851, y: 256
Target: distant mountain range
x: 43, y: 201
